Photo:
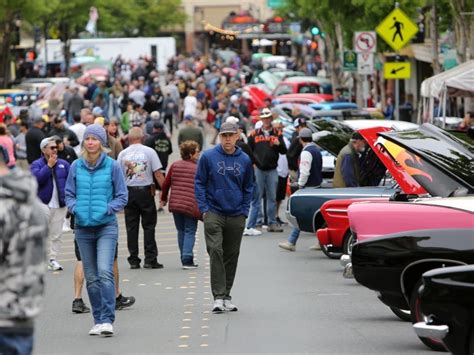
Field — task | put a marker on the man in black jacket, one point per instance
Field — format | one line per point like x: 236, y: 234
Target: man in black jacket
x: 33, y: 138
x: 267, y: 144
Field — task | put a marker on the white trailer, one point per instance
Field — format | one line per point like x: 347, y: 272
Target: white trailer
x: 162, y: 48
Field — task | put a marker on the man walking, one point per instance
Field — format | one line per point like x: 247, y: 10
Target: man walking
x: 23, y: 235
x: 51, y: 174
x: 139, y: 163
x: 224, y: 186
x: 33, y: 138
x: 267, y: 144
x: 190, y: 132
x: 310, y: 175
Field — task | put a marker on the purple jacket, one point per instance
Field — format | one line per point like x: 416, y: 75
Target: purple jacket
x: 44, y: 175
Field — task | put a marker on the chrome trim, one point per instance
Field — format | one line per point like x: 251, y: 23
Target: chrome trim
x: 292, y: 219
x: 335, y: 210
x: 431, y: 331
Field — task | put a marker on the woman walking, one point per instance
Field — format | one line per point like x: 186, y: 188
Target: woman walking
x: 183, y: 205
x: 95, y: 192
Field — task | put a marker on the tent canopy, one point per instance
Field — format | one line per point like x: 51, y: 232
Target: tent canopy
x: 458, y: 81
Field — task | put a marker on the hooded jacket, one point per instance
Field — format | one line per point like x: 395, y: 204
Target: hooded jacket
x: 23, y: 236
x: 224, y: 182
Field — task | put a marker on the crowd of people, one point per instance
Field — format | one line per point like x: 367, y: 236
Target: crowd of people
x: 107, y: 150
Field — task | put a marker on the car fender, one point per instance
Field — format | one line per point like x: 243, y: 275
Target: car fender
x: 318, y: 220
x: 412, y: 272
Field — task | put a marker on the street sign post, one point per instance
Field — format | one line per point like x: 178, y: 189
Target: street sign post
x: 365, y: 63
x: 365, y: 42
x: 397, y: 29
x: 397, y: 70
x: 350, y: 61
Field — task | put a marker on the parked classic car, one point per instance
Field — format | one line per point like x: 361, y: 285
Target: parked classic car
x: 302, y: 98
x: 392, y: 265
x: 303, y: 85
x: 337, y: 237
x: 447, y: 299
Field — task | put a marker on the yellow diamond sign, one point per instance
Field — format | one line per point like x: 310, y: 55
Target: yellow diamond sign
x: 397, y: 29
x: 397, y: 70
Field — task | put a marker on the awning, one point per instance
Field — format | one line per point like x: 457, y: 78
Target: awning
x: 458, y: 81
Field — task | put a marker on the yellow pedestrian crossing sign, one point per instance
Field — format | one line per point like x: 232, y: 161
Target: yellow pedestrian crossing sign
x: 397, y: 70
x: 397, y: 29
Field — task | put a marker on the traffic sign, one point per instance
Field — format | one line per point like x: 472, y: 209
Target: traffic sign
x: 365, y: 63
x: 397, y: 29
x: 397, y: 70
x: 350, y: 61
x: 365, y: 42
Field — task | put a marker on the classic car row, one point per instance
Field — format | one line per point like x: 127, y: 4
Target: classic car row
x: 391, y: 240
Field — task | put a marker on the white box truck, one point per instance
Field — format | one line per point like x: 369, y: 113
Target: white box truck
x: 162, y: 48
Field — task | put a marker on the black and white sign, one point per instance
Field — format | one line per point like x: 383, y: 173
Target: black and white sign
x: 365, y: 42
x: 365, y: 63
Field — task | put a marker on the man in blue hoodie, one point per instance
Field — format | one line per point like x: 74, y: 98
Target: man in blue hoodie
x: 224, y: 186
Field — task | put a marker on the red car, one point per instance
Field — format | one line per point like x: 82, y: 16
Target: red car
x: 336, y: 238
x: 302, y: 85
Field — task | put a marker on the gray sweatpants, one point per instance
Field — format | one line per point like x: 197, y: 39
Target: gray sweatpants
x: 223, y: 237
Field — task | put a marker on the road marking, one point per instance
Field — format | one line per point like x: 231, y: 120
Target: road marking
x: 185, y: 327
x: 189, y: 299
x: 184, y: 336
x: 141, y: 284
x: 333, y: 294
x: 168, y: 288
x: 186, y: 320
x: 204, y: 345
x: 183, y: 287
x: 188, y: 312
x: 182, y: 346
x: 204, y: 335
x: 125, y: 280
x: 157, y: 283
x: 204, y: 327
x: 191, y: 293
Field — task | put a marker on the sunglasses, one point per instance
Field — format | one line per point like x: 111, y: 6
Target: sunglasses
x: 53, y: 147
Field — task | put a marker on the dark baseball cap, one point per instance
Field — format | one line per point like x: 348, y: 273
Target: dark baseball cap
x: 357, y: 136
x: 158, y: 125
x: 228, y: 127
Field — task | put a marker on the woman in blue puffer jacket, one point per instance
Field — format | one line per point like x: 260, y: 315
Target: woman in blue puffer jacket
x: 95, y: 192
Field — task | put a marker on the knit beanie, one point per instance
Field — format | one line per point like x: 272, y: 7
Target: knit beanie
x: 96, y: 131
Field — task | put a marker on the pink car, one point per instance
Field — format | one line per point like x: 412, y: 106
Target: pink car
x: 375, y: 219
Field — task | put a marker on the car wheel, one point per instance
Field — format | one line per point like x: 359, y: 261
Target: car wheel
x: 349, y: 241
x: 418, y: 316
x: 330, y: 254
x: 403, y: 314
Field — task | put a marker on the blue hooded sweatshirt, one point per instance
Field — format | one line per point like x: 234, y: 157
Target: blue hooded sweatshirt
x: 224, y: 182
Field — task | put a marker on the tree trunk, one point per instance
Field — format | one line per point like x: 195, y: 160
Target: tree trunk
x: 434, y: 39
x: 5, y: 61
x: 332, y: 61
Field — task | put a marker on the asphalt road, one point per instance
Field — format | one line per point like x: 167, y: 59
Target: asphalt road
x: 288, y: 303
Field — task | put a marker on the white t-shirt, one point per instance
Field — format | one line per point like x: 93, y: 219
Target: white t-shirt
x: 138, y: 163
x: 54, y: 202
x: 190, y: 103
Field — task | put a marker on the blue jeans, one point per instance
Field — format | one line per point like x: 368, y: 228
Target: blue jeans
x: 267, y: 181
x: 186, y: 227
x: 255, y: 208
x: 16, y: 344
x: 294, y: 235
x: 97, y: 248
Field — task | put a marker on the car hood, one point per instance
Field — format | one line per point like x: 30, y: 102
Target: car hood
x: 441, y: 163
x: 407, y: 183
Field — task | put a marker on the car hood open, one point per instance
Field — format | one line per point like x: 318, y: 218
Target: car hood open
x: 441, y: 163
x: 407, y: 183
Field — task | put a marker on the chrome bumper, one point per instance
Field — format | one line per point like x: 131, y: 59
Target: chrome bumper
x: 345, y: 259
x: 347, y: 273
x: 292, y: 219
x: 430, y: 331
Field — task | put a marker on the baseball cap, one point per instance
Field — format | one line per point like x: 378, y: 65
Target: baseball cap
x: 228, y: 127
x: 188, y: 117
x: 300, y: 121
x: 232, y: 119
x: 97, y: 111
x: 155, y: 115
x: 305, y: 133
x: 44, y: 143
x: 357, y: 136
x: 265, y: 113
x: 158, y: 125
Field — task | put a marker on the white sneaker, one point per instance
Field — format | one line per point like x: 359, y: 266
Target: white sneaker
x: 95, y: 330
x: 252, y: 232
x: 106, y: 330
x: 218, y: 306
x: 287, y: 246
x: 229, y: 306
x: 54, y: 265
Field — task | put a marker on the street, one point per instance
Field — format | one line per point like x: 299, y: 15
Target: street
x: 288, y: 303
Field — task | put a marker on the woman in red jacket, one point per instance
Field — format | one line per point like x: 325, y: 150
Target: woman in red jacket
x: 183, y: 205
